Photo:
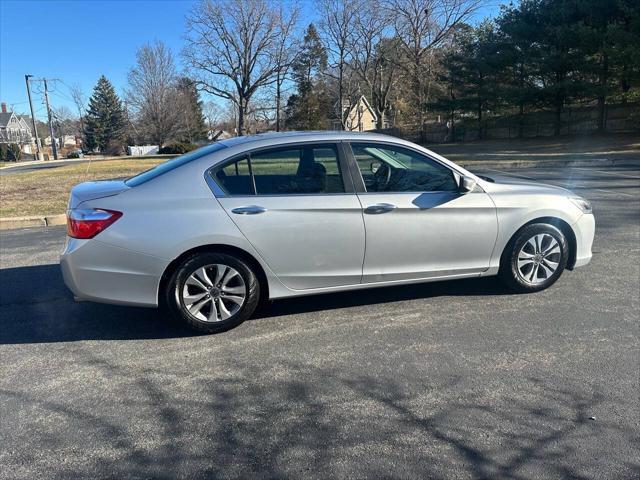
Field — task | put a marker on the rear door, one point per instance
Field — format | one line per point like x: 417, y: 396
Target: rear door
x: 418, y: 224
x: 299, y: 211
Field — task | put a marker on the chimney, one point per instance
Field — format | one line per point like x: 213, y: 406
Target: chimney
x: 4, y: 107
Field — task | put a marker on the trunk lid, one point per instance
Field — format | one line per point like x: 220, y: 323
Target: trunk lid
x: 93, y: 190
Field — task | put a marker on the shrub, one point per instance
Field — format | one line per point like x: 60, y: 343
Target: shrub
x: 10, y: 152
x: 114, y: 148
x: 74, y: 154
x: 177, y: 148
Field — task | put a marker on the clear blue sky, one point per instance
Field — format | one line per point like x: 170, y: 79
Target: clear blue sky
x: 79, y: 40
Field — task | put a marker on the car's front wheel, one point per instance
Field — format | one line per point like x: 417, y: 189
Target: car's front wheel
x: 213, y: 292
x: 535, y: 258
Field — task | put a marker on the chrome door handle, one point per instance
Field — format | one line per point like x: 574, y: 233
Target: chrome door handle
x: 249, y: 210
x: 380, y: 208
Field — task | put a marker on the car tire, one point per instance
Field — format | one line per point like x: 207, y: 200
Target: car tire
x: 212, y: 292
x: 534, y: 258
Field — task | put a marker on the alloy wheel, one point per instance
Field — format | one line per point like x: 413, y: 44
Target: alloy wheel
x: 214, y: 293
x: 539, y: 258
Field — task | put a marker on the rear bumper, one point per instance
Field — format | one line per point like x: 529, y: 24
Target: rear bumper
x: 584, y: 230
x: 103, y: 273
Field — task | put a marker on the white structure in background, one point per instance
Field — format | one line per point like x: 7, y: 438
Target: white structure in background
x: 67, y: 140
x: 15, y: 129
x: 137, y: 150
x: 215, y: 135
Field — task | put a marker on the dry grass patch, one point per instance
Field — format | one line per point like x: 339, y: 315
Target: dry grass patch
x: 46, y: 191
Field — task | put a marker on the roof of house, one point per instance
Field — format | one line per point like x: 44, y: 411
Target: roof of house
x: 4, y: 118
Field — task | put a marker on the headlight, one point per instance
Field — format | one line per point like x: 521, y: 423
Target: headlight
x: 582, y: 204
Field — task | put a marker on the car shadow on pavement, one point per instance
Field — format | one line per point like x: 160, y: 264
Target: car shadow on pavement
x: 36, y: 307
x: 380, y: 295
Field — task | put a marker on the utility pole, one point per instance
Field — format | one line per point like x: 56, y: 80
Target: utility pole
x: 33, y: 119
x: 53, y: 138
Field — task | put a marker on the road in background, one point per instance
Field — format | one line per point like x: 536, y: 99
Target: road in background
x: 454, y: 379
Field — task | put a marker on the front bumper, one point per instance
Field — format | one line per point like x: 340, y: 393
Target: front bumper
x: 584, y: 230
x: 100, y: 272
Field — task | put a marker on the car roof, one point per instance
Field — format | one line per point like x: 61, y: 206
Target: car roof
x: 278, y: 137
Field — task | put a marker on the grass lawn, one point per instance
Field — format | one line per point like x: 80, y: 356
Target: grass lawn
x: 46, y: 191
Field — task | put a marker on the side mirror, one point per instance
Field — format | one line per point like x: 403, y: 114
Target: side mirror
x: 467, y: 184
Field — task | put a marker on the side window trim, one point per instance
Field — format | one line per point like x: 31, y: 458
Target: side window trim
x: 343, y: 164
x: 359, y: 179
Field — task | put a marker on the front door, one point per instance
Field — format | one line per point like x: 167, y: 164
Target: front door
x: 418, y: 224
x: 294, y: 207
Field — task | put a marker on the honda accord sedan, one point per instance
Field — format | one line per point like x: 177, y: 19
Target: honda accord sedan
x: 210, y: 234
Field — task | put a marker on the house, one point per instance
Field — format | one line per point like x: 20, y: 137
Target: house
x: 358, y: 116
x: 14, y: 129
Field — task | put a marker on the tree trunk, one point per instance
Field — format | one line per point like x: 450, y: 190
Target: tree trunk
x: 380, y: 119
x: 278, y: 93
x: 417, y: 82
x: 602, y: 97
x: 521, y: 103
x: 558, y: 122
x: 521, y: 120
x: 340, y: 93
x: 241, y: 112
x: 480, y: 133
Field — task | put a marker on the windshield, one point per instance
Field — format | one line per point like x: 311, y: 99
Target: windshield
x: 172, y: 164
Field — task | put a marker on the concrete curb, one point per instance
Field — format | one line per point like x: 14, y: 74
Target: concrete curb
x: 593, y: 163
x: 9, y: 223
x: 71, y: 161
x: 51, y: 220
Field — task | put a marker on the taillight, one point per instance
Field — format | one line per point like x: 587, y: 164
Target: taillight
x: 87, y: 223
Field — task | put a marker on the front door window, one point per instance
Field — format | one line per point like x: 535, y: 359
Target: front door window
x: 387, y: 168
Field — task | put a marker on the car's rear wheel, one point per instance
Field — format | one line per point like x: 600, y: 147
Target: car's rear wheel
x: 213, y: 292
x: 535, y: 258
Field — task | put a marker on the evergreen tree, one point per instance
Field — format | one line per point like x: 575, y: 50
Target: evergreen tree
x: 611, y: 38
x: 562, y: 63
x: 472, y: 72
x: 307, y: 109
x: 519, y: 57
x: 194, y: 127
x: 105, y: 119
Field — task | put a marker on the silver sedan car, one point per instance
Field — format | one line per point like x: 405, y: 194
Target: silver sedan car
x: 212, y: 233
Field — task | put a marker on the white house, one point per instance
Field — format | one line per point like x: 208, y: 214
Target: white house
x: 14, y: 129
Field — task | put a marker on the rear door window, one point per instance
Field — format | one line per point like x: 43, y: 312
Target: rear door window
x: 295, y: 170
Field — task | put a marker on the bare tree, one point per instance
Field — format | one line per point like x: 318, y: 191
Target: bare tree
x: 152, y: 92
x: 65, y: 123
x: 231, y: 49
x: 421, y: 26
x: 337, y: 28
x: 212, y: 113
x: 80, y: 101
x: 374, y: 55
x: 285, y: 52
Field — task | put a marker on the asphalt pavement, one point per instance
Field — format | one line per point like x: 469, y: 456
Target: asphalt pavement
x: 458, y: 379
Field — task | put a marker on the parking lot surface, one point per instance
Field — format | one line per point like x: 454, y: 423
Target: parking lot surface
x: 457, y: 379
